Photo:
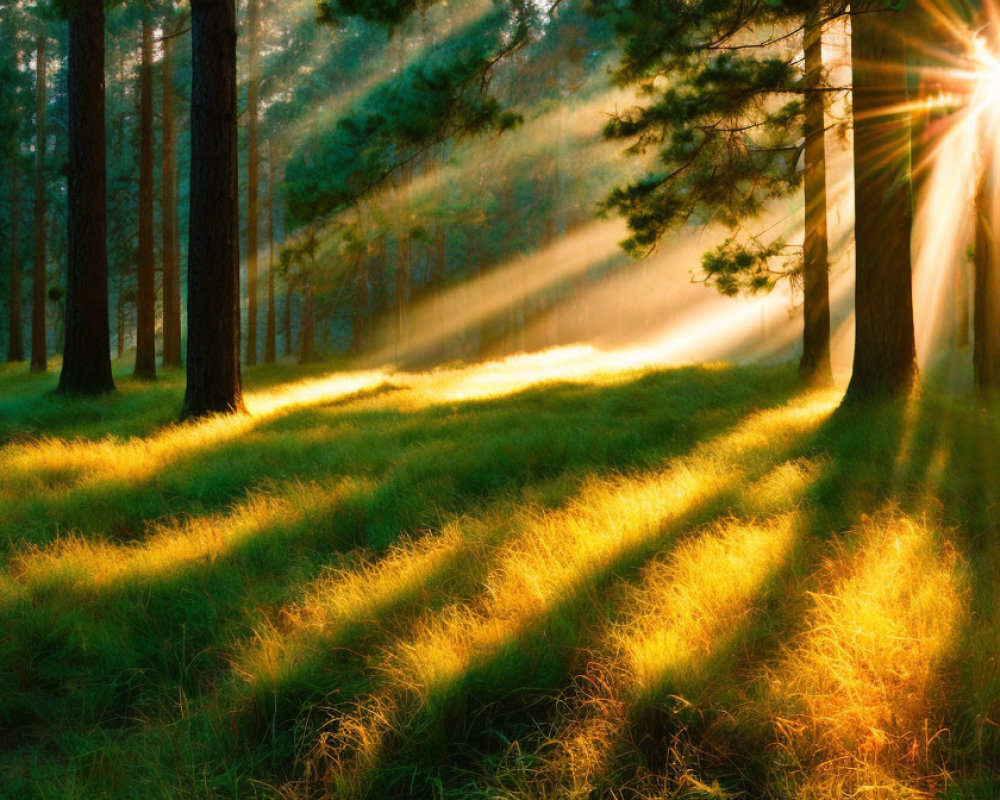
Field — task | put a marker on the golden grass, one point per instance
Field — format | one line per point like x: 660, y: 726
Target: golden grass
x: 855, y: 700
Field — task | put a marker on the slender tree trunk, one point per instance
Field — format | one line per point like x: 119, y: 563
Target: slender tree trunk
x: 253, y: 187
x: 87, y: 360
x: 15, y: 343
x: 986, y: 349
x: 39, y: 355
x: 121, y: 313
x: 286, y: 322
x: 307, y: 328
x: 145, y: 305
x: 814, y: 368
x: 404, y: 266
x: 885, y: 349
x: 213, y: 365
x: 360, y: 314
x: 270, y: 345
x: 168, y: 210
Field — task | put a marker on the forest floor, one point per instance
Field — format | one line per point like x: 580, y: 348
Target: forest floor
x: 482, y: 582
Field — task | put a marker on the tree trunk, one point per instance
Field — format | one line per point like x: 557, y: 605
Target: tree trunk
x: 121, y: 313
x: 885, y: 350
x: 87, y: 361
x: 252, y: 186
x: 39, y: 355
x: 360, y: 313
x: 286, y: 322
x: 962, y: 319
x: 307, y: 328
x: 213, y: 365
x: 814, y: 368
x: 145, y: 303
x: 986, y: 348
x: 404, y: 265
x: 270, y: 344
x: 15, y: 343
x: 168, y: 210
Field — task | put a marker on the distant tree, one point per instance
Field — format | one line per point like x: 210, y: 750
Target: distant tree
x: 168, y: 204
x: 39, y: 345
x: 145, y: 339
x: 270, y: 334
x: 731, y: 113
x: 253, y: 168
x: 12, y: 129
x: 213, y: 369
x: 87, y: 358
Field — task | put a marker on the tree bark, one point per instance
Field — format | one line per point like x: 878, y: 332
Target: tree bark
x: 39, y: 354
x: 814, y: 368
x: 168, y: 210
x: 213, y: 366
x: 145, y: 305
x: 87, y: 361
x: 253, y: 186
x: 270, y: 344
x: 15, y: 342
x: 885, y: 349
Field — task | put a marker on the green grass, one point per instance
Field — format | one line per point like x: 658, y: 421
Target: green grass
x: 478, y: 582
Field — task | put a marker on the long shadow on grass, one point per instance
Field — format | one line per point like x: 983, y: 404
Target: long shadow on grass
x: 425, y: 738
x: 97, y: 656
x: 492, y: 445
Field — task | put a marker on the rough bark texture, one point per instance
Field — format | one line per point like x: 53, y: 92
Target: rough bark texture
x: 170, y: 228
x: 213, y: 368
x: 270, y: 344
x: 145, y: 303
x: 87, y: 360
x: 253, y: 186
x: 814, y: 368
x: 986, y: 349
x: 885, y: 349
x: 39, y: 355
x: 15, y: 341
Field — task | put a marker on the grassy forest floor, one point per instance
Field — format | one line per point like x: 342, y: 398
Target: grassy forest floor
x: 692, y: 582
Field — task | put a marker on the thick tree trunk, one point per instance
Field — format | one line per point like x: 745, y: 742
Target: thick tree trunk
x: 87, y: 360
x: 814, y: 368
x: 253, y: 187
x: 168, y: 210
x: 213, y: 365
x: 39, y: 355
x: 145, y: 304
x: 885, y: 349
x: 15, y: 342
x: 270, y: 344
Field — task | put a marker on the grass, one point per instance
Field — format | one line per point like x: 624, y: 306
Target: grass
x: 549, y: 577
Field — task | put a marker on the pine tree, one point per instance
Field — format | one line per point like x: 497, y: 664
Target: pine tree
x: 885, y: 346
x: 87, y: 359
x: 39, y: 344
x: 145, y: 339
x: 213, y: 368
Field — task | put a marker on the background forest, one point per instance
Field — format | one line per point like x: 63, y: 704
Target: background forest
x: 586, y: 399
